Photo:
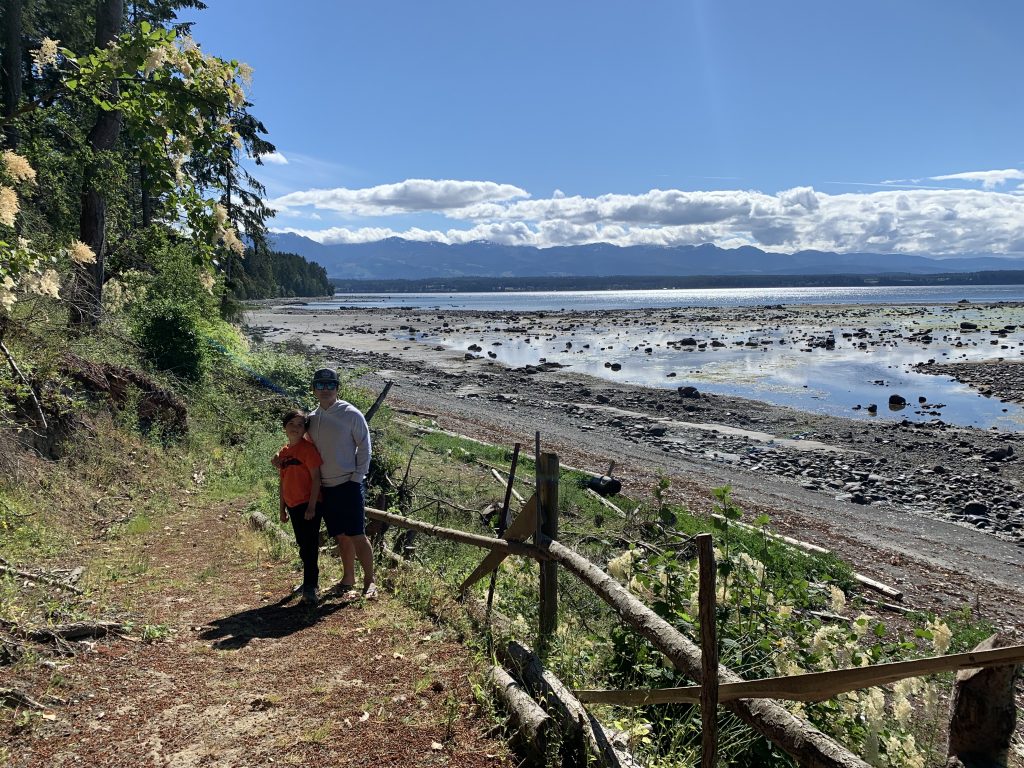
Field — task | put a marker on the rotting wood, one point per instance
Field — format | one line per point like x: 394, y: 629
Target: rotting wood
x: 520, y: 530
x: 891, y: 592
x: 531, y: 723
x: 41, y: 579
x: 497, y: 545
x: 801, y: 740
x: 412, y: 412
x: 576, y: 722
x: 380, y: 399
x: 983, y: 713
x: 815, y: 686
x: 904, y: 610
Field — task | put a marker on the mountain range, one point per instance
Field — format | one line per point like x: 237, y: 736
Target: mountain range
x: 409, y: 259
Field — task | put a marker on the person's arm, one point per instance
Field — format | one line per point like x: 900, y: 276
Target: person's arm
x: 361, y: 437
x: 314, y: 492
x: 280, y: 497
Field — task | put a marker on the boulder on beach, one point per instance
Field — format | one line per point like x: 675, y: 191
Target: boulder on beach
x: 897, y: 401
x: 688, y: 392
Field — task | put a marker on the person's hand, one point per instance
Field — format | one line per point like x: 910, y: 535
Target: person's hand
x: 310, y: 512
x: 276, y: 462
x: 284, y: 515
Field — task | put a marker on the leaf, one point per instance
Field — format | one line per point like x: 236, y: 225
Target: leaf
x: 762, y: 520
x: 145, y: 27
x: 71, y: 84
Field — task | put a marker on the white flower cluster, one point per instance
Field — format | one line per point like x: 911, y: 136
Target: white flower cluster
x: 45, y: 55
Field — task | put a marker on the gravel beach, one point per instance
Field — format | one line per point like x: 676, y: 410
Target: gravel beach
x: 916, y: 501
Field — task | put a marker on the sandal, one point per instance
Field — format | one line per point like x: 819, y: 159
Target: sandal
x: 371, y: 592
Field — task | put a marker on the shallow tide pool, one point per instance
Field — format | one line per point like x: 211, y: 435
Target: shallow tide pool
x: 792, y: 366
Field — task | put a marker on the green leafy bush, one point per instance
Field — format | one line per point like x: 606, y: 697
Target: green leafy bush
x: 170, y: 338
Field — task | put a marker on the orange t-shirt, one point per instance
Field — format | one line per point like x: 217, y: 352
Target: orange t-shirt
x: 296, y: 461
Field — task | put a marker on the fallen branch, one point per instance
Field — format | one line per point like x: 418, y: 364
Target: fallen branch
x: 12, y: 697
x: 504, y: 481
x: 604, y: 502
x: 25, y: 381
x: 75, y: 631
x: 40, y: 578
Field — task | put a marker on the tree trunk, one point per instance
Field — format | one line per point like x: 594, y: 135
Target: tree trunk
x: 10, y: 64
x: 93, y: 220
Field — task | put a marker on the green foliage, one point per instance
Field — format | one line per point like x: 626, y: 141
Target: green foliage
x: 170, y: 338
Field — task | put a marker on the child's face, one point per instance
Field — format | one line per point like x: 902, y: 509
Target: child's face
x: 295, y: 429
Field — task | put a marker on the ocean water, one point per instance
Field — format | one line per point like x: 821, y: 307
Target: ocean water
x: 547, y: 301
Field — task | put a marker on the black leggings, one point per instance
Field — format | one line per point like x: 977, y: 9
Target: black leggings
x: 307, y: 536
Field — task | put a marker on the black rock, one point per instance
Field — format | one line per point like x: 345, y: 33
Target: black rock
x: 688, y: 392
x: 978, y: 508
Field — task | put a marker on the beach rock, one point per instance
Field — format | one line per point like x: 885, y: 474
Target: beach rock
x: 690, y: 393
x: 978, y: 508
x: 1000, y: 453
x: 897, y: 401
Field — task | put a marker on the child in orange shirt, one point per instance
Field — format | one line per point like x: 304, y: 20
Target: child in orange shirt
x: 299, y: 492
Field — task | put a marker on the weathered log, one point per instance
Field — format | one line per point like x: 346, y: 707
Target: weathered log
x: 983, y: 713
x: 604, y: 502
x: 815, y: 686
x: 484, y: 542
x: 531, y: 723
x: 801, y: 740
x: 75, y: 631
x: 504, y: 481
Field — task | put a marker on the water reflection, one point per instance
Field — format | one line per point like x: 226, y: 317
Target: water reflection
x: 840, y: 371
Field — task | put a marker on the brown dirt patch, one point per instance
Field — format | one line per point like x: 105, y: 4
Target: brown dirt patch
x: 246, y: 676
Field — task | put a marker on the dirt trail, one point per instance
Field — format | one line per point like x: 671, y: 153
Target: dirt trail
x: 247, y: 677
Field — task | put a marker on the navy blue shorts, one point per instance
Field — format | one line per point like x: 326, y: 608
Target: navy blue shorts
x: 343, y: 510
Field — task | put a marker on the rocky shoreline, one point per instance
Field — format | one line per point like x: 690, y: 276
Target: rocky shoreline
x: 910, y: 488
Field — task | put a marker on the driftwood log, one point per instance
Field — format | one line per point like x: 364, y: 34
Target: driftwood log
x: 982, y: 714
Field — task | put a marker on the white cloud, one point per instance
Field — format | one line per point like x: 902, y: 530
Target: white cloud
x: 988, y: 179
x: 274, y: 158
x: 410, y: 196
x: 934, y: 222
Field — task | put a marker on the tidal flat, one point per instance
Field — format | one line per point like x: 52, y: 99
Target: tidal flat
x: 775, y: 401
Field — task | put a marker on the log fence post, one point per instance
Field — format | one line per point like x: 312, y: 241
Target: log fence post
x: 709, y: 652
x: 547, y: 484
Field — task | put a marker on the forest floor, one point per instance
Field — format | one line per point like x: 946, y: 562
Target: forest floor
x: 220, y: 667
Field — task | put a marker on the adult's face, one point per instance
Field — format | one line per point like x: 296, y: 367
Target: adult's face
x: 326, y: 392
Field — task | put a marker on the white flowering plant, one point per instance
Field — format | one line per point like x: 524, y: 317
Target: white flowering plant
x: 779, y: 612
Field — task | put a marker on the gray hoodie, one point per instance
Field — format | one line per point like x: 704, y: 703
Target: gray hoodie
x: 343, y: 439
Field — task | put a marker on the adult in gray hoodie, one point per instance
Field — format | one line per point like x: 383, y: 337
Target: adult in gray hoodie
x: 339, y: 432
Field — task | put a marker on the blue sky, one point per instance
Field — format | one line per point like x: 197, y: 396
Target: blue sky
x: 785, y: 125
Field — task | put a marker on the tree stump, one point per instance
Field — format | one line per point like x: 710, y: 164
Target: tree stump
x: 982, y: 714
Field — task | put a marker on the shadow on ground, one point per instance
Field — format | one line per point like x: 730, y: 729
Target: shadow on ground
x: 285, y: 617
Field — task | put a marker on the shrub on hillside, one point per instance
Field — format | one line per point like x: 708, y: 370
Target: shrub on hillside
x: 170, y: 338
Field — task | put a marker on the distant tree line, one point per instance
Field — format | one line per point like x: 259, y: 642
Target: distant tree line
x: 270, y: 274
x: 626, y: 282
